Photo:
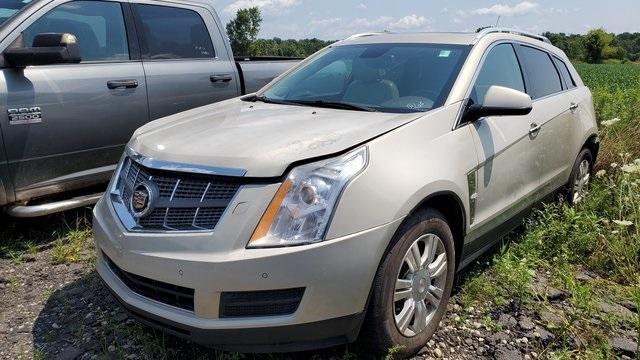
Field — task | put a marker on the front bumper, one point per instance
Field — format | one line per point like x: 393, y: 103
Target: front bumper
x: 336, y: 274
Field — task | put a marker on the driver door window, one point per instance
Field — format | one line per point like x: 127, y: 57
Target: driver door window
x: 98, y: 26
x: 500, y: 68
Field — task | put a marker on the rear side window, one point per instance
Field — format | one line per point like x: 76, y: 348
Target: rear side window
x: 542, y: 76
x: 98, y: 26
x: 564, y: 71
x: 174, y: 33
x: 500, y: 68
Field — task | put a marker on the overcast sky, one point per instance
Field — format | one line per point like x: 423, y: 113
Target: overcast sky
x: 336, y: 19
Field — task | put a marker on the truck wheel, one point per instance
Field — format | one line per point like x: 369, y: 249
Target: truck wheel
x: 579, y: 180
x: 412, y: 286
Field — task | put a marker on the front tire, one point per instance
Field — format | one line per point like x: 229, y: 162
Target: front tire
x: 412, y: 286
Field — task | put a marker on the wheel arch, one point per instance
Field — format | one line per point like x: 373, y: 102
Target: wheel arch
x: 450, y: 205
x: 593, y: 144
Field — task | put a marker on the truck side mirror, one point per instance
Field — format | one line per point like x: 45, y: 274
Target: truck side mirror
x: 499, y: 101
x: 47, y: 49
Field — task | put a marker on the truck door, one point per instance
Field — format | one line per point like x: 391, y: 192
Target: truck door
x: 184, y: 58
x: 73, y: 118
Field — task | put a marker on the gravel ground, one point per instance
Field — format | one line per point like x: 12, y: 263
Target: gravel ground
x: 62, y: 311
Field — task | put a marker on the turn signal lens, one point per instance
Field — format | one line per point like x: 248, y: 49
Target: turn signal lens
x: 272, y: 210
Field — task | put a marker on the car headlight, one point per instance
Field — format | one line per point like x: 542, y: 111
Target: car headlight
x: 302, y: 207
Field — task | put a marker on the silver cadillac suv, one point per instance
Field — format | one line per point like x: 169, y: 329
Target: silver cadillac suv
x: 342, y: 198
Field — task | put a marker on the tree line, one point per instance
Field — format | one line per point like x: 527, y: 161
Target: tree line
x: 596, y: 46
x: 243, y: 31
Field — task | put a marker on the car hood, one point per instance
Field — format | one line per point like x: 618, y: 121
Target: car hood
x: 262, y: 139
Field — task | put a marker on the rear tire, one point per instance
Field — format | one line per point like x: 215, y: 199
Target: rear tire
x: 578, y: 184
x: 412, y: 286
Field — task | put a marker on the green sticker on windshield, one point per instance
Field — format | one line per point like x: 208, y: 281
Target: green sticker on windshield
x: 444, y: 53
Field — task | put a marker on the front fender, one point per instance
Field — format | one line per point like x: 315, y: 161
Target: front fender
x: 406, y: 166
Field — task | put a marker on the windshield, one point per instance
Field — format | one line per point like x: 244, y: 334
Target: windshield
x: 376, y: 77
x: 9, y: 7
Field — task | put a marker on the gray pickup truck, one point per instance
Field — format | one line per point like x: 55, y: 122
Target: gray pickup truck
x: 77, y: 77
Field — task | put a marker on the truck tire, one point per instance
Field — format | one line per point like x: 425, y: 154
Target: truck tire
x: 412, y: 286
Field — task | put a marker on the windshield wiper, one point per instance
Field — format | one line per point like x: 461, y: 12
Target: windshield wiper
x: 333, y: 104
x: 267, y: 100
x: 318, y: 103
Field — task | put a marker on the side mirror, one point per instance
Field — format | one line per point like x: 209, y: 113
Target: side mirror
x: 47, y: 49
x: 500, y: 101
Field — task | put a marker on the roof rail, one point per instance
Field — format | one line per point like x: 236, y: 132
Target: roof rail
x: 491, y: 30
x: 355, y: 36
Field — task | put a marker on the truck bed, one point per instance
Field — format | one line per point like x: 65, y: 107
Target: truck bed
x: 256, y: 72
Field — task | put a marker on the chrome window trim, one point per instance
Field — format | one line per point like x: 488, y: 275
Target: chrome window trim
x: 183, y: 167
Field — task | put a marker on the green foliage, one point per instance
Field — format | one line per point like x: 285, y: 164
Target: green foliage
x: 610, y: 76
x: 598, y: 46
x: 244, y: 29
x: 572, y: 45
x: 631, y: 44
x: 596, y: 42
x: 616, y: 95
x: 291, y: 48
x: 243, y: 32
x: 391, y: 352
x: 68, y: 249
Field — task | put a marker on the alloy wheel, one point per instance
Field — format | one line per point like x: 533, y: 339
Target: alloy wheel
x: 420, y: 284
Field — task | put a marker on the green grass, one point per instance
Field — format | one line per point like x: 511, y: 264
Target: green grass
x: 68, y: 249
x: 20, y: 237
x: 616, y: 95
x: 612, y: 76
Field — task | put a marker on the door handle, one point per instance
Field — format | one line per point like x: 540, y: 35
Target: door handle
x: 122, y: 84
x: 220, y: 78
x: 534, y: 128
x: 573, y: 106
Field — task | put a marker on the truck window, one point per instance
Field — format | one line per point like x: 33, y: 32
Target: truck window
x: 98, y: 26
x: 174, y: 33
x: 500, y: 68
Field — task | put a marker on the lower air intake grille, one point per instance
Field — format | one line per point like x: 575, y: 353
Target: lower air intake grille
x: 174, y: 295
x: 260, y: 303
